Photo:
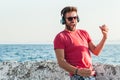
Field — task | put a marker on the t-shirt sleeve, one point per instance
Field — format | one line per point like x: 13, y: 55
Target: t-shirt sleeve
x: 88, y: 37
x: 58, y: 42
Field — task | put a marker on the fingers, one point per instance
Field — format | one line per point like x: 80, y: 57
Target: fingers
x: 104, y: 28
x: 93, y: 73
x: 85, y: 72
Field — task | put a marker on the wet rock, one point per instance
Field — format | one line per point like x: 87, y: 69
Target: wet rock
x: 49, y: 70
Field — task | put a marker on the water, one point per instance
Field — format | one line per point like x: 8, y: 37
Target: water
x: 39, y: 52
x: 26, y: 52
x: 109, y: 55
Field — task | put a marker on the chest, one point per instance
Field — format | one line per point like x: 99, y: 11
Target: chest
x: 76, y: 39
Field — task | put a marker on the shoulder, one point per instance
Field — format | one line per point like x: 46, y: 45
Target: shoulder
x: 59, y: 40
x: 60, y: 34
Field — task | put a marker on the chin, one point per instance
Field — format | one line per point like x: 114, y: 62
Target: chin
x: 74, y: 28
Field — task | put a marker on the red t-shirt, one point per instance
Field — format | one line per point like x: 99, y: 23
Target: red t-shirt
x: 75, y: 45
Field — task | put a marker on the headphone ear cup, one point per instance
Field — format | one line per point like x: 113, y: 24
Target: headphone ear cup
x: 62, y: 21
x: 78, y: 19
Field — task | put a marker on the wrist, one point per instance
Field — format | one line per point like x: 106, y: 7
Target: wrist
x: 76, y: 71
x: 105, y: 36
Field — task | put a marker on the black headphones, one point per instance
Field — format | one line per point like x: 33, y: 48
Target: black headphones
x: 62, y: 21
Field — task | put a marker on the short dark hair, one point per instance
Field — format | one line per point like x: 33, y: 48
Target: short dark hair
x: 68, y: 9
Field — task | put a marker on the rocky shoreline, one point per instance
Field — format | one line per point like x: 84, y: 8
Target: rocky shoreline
x: 49, y: 70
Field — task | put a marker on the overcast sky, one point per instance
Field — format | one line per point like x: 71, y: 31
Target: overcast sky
x: 38, y: 21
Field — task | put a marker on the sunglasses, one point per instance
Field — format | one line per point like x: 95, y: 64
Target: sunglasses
x: 71, y: 18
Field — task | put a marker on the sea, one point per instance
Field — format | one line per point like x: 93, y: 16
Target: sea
x: 42, y: 52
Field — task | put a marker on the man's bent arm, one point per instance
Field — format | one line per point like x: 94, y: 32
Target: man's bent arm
x: 96, y: 49
x: 62, y: 62
x: 68, y: 67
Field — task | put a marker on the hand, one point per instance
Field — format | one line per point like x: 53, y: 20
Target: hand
x: 104, y: 30
x: 85, y: 72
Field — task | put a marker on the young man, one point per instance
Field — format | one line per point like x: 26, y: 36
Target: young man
x: 72, y: 46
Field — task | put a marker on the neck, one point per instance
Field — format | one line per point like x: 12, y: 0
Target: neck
x: 68, y: 28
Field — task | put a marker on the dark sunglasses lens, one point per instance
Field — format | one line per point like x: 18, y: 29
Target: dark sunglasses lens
x: 71, y: 18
